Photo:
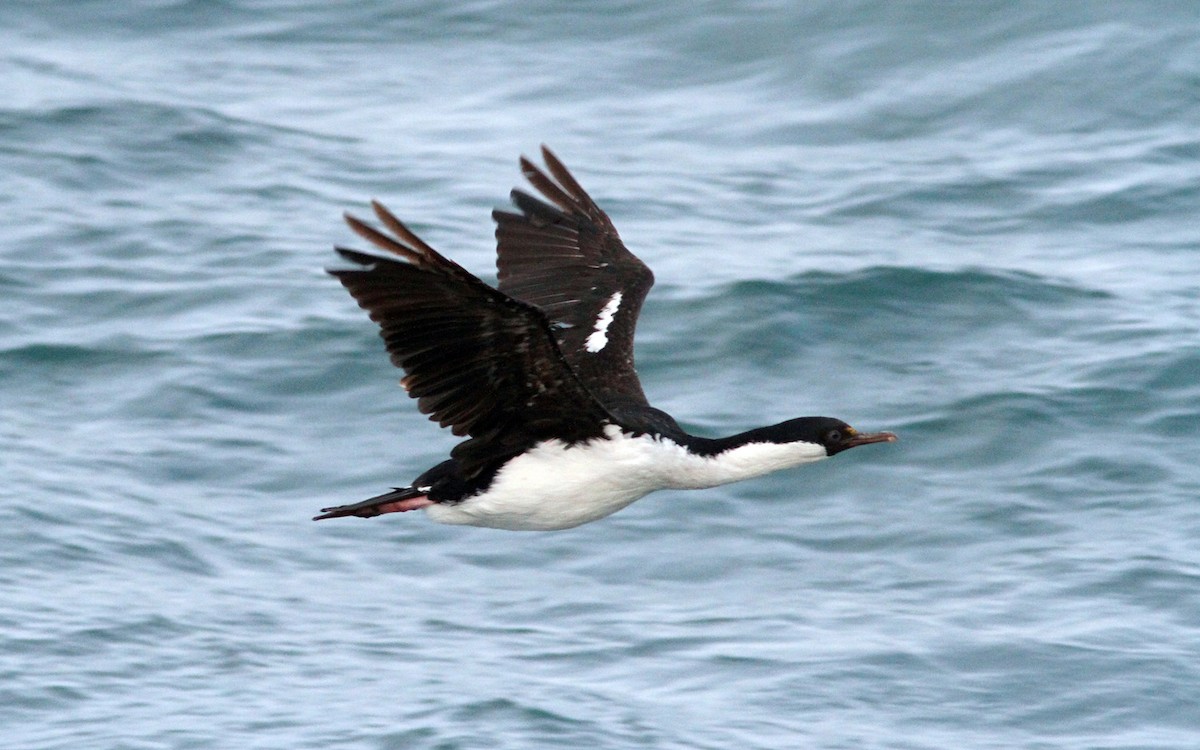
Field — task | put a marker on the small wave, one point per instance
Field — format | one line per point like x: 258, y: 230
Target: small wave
x: 125, y: 142
x: 881, y: 285
x: 55, y: 354
x: 912, y: 313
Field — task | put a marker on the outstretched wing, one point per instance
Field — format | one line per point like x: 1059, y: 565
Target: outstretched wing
x: 476, y: 360
x: 564, y: 256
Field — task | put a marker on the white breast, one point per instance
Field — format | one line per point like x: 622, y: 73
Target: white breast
x: 554, y: 486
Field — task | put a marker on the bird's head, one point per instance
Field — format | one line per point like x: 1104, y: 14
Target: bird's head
x: 833, y: 435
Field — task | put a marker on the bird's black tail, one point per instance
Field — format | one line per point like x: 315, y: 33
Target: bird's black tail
x: 377, y: 505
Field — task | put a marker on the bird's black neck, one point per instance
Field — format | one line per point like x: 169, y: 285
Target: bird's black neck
x: 643, y: 419
x: 713, y: 446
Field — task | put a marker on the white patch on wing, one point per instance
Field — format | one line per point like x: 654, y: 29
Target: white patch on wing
x: 599, y: 337
x: 553, y: 486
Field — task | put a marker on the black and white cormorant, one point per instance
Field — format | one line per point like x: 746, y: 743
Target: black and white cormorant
x: 538, y: 374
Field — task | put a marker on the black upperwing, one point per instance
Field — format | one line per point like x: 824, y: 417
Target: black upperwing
x: 476, y: 360
x: 564, y: 256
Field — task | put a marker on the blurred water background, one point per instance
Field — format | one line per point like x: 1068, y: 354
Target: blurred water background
x: 975, y: 224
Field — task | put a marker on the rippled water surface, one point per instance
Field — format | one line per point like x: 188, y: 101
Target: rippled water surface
x: 975, y: 225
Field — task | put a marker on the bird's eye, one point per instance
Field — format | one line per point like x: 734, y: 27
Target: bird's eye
x: 833, y: 436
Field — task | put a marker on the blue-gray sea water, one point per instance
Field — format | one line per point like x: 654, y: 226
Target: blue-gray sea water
x: 975, y: 224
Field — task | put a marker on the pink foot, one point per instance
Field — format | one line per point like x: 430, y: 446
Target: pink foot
x: 400, y: 506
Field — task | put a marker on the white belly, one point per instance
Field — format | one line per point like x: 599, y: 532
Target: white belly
x: 557, y: 487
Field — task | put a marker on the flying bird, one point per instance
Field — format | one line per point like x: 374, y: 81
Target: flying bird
x: 538, y: 374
